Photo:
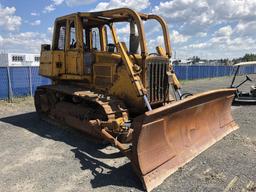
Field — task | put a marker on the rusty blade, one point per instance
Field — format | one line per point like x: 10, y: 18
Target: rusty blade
x: 170, y: 136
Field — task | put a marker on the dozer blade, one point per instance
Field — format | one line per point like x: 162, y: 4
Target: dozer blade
x: 168, y: 137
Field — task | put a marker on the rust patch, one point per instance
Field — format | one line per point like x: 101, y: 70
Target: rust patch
x: 170, y: 136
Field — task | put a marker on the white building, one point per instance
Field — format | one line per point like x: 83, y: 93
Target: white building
x: 19, y: 59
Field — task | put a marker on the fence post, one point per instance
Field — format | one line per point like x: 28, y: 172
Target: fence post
x: 231, y: 69
x: 30, y: 81
x: 199, y: 72
x: 10, y: 93
x: 186, y: 72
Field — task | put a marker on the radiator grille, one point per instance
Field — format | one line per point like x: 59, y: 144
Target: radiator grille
x: 157, y: 81
x: 103, y: 81
x: 102, y: 70
x: 102, y: 75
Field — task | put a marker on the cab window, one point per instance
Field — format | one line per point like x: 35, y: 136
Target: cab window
x: 109, y: 40
x: 72, y: 35
x: 96, y: 39
x: 60, y: 35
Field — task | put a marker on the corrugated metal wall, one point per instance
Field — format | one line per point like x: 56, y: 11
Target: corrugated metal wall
x: 24, y: 80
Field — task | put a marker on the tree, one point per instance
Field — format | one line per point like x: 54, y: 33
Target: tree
x: 246, y: 57
x: 249, y: 57
x: 195, y: 59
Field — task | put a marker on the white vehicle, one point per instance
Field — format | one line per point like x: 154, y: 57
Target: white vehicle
x: 241, y: 97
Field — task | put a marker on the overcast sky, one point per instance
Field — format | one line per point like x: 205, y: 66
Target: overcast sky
x: 206, y: 28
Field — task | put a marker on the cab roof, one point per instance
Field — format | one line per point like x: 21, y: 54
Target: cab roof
x: 114, y: 15
x: 246, y: 63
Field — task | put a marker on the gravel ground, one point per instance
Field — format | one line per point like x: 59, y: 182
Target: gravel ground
x: 37, y: 156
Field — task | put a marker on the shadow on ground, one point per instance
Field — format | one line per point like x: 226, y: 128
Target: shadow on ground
x: 88, y: 152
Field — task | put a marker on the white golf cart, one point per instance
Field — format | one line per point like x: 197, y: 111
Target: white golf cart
x: 244, y: 97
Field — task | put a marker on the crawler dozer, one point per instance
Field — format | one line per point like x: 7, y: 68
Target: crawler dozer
x: 119, y: 92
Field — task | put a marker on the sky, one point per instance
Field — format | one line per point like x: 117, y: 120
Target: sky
x: 210, y: 29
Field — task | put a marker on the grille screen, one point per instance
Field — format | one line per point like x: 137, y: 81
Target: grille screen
x: 102, y: 70
x: 103, y: 76
x: 103, y: 81
x: 157, y: 81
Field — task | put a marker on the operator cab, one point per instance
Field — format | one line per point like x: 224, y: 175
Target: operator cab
x: 94, y: 34
x: 84, y: 48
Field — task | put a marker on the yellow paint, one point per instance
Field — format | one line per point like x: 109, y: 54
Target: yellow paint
x: 113, y: 73
x: 125, y: 90
x: 46, y: 64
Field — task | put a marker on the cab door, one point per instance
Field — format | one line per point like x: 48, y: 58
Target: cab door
x: 58, y: 49
x: 74, y: 50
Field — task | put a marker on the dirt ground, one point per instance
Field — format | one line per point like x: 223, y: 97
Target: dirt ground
x: 37, y: 156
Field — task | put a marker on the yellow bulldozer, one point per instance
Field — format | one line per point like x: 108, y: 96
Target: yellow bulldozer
x: 127, y: 96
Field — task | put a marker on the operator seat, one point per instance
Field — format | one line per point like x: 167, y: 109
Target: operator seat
x: 253, y: 90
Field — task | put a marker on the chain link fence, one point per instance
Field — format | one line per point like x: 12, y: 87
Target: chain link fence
x: 191, y: 72
x: 20, y: 81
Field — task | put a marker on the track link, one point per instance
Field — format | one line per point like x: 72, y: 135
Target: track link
x: 84, y: 110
